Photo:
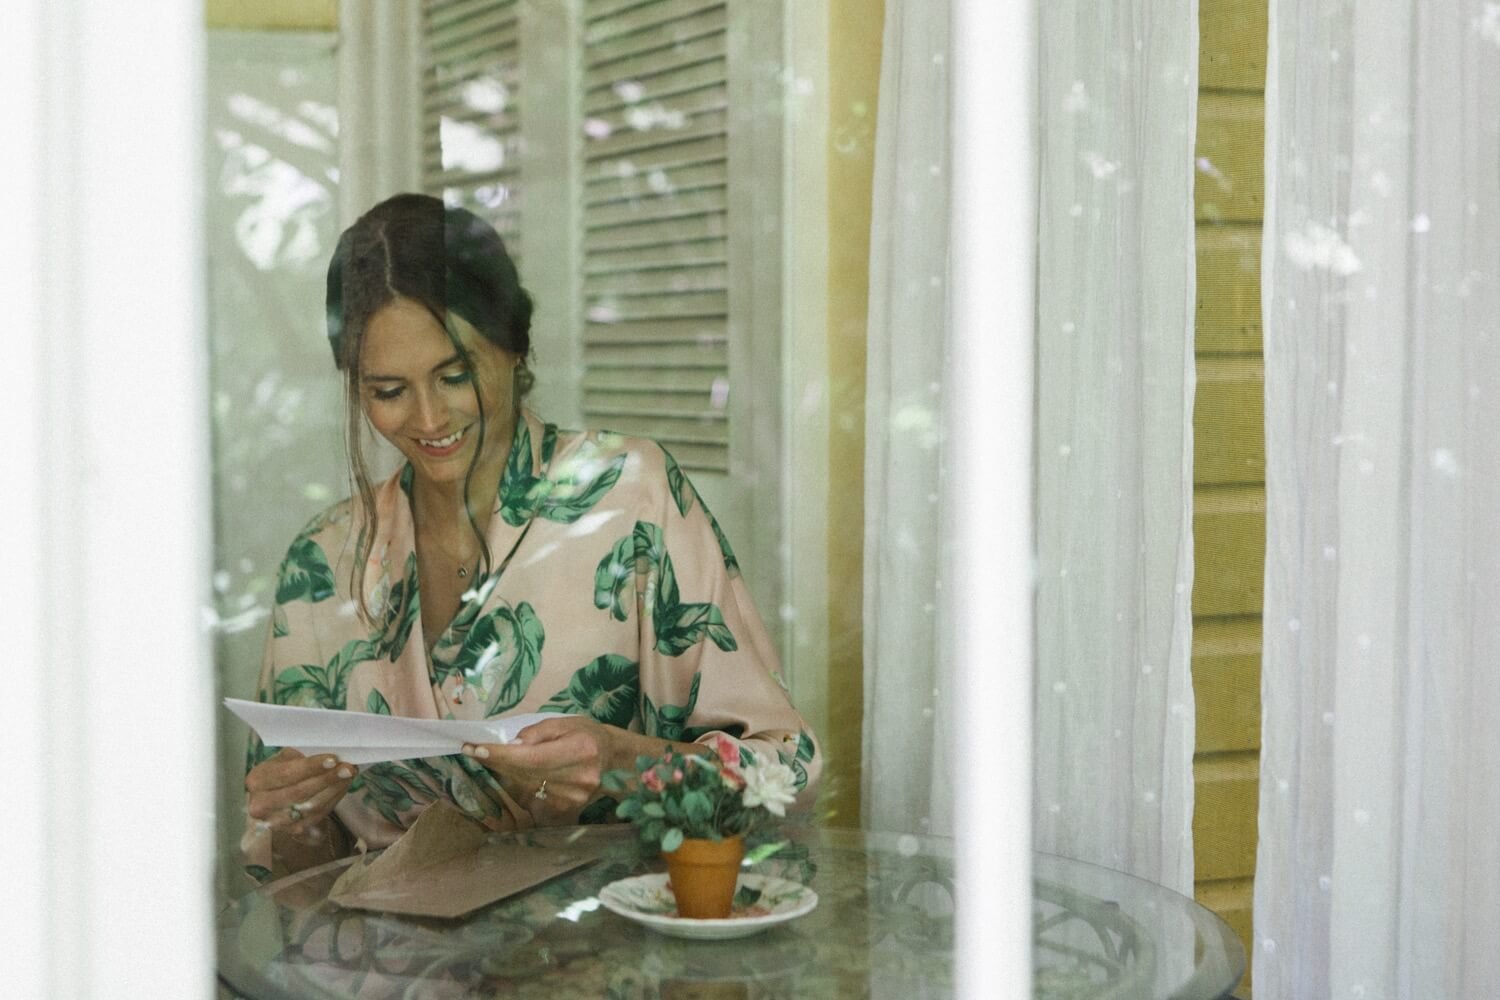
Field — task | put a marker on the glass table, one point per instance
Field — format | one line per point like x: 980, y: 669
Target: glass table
x: 883, y: 928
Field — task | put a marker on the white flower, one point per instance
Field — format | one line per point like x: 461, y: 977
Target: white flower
x: 771, y: 785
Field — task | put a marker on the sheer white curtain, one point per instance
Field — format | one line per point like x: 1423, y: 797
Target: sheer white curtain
x: 1115, y: 382
x: 908, y: 763
x: 380, y: 102
x: 1380, y: 789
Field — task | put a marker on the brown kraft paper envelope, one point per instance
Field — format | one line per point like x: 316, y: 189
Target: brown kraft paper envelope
x: 445, y: 866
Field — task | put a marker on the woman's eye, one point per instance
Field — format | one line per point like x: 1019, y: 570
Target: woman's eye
x: 457, y: 378
x: 386, y: 394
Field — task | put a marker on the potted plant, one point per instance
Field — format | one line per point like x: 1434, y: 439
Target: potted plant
x: 697, y: 810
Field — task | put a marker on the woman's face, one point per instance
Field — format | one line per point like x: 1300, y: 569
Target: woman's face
x: 420, y: 396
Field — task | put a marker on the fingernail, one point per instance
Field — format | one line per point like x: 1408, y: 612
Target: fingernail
x: 481, y: 752
x: 345, y: 772
x: 329, y: 763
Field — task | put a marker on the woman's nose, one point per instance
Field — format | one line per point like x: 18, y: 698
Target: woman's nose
x: 432, y: 411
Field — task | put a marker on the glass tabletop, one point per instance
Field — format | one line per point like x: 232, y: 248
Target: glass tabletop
x: 883, y: 927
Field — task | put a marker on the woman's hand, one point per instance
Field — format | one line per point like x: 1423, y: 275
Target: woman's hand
x: 294, y: 793
x: 554, y: 767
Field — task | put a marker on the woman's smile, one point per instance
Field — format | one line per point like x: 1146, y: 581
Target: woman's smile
x: 445, y: 446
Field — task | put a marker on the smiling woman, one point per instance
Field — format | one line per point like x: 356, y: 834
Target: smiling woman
x: 507, y: 567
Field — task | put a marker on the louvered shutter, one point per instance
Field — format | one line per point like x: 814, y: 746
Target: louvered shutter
x: 655, y: 223
x: 471, y: 109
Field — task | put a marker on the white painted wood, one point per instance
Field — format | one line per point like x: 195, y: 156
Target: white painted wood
x: 993, y: 260
x: 110, y: 707
x: 804, y: 370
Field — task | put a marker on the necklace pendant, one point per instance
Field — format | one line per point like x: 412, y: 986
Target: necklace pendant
x: 463, y: 572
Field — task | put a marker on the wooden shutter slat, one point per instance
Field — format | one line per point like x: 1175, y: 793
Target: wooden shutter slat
x: 644, y: 115
x: 647, y: 65
x: 688, y: 152
x: 644, y: 210
x: 496, y: 19
x: 658, y: 234
x: 658, y: 331
x: 656, y: 183
x: 622, y: 309
x: 439, y: 14
x: 604, y: 28
x: 711, y: 278
x: 678, y: 253
x: 662, y: 34
x: 708, y: 125
x: 657, y: 87
x: 683, y: 355
x: 642, y: 380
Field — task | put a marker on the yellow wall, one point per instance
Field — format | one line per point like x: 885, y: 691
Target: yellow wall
x: 854, y: 34
x: 273, y: 15
x: 1229, y: 457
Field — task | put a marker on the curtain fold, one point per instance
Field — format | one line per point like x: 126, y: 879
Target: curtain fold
x: 1115, y: 386
x: 1376, y: 874
x: 380, y: 102
x: 907, y: 754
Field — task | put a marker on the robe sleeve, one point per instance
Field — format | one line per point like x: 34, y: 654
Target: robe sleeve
x: 708, y: 665
x: 305, y: 592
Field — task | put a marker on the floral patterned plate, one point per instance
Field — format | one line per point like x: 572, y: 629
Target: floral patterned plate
x: 761, y: 901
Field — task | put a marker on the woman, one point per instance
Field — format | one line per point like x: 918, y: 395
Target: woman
x: 508, y: 567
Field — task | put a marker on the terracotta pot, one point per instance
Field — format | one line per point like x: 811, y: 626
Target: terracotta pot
x: 704, y: 875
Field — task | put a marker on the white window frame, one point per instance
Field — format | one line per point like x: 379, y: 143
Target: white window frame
x: 109, y: 439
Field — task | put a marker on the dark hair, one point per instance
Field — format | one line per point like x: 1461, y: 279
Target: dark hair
x: 446, y: 259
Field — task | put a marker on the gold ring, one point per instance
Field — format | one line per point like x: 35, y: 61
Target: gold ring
x: 294, y: 813
x: 541, y: 793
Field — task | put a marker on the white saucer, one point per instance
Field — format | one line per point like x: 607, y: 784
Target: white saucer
x: 648, y: 901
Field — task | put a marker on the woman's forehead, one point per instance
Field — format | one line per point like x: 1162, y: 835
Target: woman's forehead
x: 404, y: 334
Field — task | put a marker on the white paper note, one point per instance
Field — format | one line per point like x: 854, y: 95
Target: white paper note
x: 364, y: 738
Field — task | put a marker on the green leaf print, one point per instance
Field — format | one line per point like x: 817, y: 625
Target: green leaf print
x: 614, y: 578
x: 693, y: 734
x: 322, y: 687
x: 549, y: 443
x: 801, y: 758
x: 377, y: 705
x: 679, y: 625
x: 567, y: 499
x: 684, y: 493
x: 518, y: 485
x: 279, y: 628
x: 682, y: 489
x: 402, y: 606
x: 607, y: 688
x: 382, y: 792
x: 667, y: 722
x: 502, y: 653
x: 575, y: 491
x: 305, y: 574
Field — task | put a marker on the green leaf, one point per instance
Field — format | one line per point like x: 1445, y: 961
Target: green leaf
x: 681, y: 627
x: 549, y: 443
x: 745, y: 897
x: 502, y: 654
x: 614, y: 781
x: 758, y: 854
x: 614, y: 578
x: 597, y: 811
x: 566, y: 500
x: 607, y: 689
x: 517, y: 483
x: 305, y: 574
x: 629, y: 809
x: 279, y: 627
x: 403, y: 604
x: 376, y: 704
x: 667, y: 722
x: 697, y: 807
x: 671, y: 840
x: 677, y: 481
x: 653, y: 809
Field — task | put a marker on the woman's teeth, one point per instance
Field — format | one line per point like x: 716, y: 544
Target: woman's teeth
x: 442, y: 442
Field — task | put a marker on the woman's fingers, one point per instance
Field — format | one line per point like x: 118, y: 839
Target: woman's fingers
x: 315, y: 809
x: 285, y: 788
